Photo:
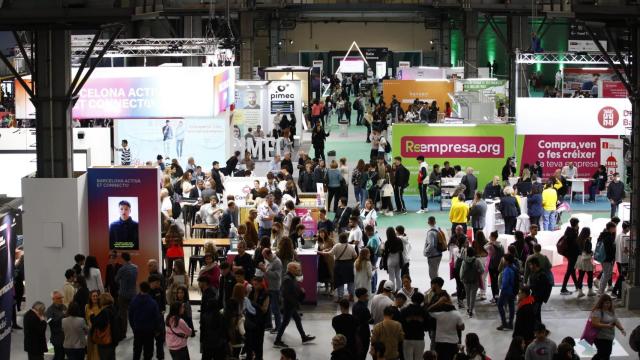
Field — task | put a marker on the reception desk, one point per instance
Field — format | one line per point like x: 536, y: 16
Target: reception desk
x: 309, y: 263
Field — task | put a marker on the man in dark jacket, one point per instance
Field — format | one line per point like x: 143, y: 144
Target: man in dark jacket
x: 341, y: 219
x: 306, y: 182
x: 232, y: 163
x: 320, y: 172
x: 540, y: 286
x: 35, y: 329
x: 286, y: 163
x: 144, y: 317
x: 345, y: 323
x: 401, y: 181
x: 158, y: 292
x: 608, y: 238
x: 55, y: 313
x: 215, y: 174
x: 615, y: 193
x: 471, y: 183
x: 212, y: 340
x: 362, y: 317
x: 292, y: 295
x: 572, y: 250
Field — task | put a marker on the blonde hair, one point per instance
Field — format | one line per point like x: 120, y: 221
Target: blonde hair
x: 362, y: 258
x: 166, y: 180
x: 508, y: 191
x: 334, y: 164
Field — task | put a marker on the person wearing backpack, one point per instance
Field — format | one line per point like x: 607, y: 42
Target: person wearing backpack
x: 568, y: 247
x: 496, y: 252
x: 509, y: 285
x: 605, y: 254
x: 470, y: 274
x: 432, y: 251
x: 105, y: 329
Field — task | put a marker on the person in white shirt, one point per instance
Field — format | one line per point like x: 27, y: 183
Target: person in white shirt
x: 623, y: 250
x: 369, y: 215
x: 266, y: 212
x: 165, y: 202
x: 91, y: 272
x: 406, y: 250
x: 448, y: 323
x: 355, y: 234
x: 274, y: 165
x: 381, y: 301
x: 569, y: 171
x: 210, y: 213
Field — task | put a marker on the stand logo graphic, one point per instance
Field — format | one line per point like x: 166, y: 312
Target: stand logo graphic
x: 608, y: 117
x: 279, y: 95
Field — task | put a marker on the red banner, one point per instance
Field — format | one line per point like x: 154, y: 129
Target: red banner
x: 613, y: 89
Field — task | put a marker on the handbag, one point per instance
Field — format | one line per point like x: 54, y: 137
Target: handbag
x: 387, y: 190
x: 589, y: 333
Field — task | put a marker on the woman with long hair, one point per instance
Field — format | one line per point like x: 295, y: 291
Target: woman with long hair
x: 101, y: 321
x: 75, y: 333
x: 234, y: 324
x: 179, y: 277
x: 603, y: 318
x: 363, y: 270
x: 358, y: 180
x: 182, y: 295
x: 82, y: 292
x: 392, y: 257
x: 344, y: 256
x: 92, y: 275
x: 286, y: 252
x: 211, y: 270
x: 479, y: 243
x: 474, y: 349
x: 177, y: 332
x: 92, y: 309
x: 585, y: 261
x: 326, y: 261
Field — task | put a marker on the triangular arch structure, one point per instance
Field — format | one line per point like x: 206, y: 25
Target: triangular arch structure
x: 364, y: 59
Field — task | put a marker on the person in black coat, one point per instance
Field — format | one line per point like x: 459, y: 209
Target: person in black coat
x: 493, y: 189
x: 292, y: 295
x: 540, y: 285
x: 345, y: 323
x: 35, y: 328
x: 525, y: 315
x: 471, y: 183
x: 572, y: 252
x: 508, y: 170
x: 615, y: 193
x: 400, y: 183
x: 232, y: 163
x: 306, y: 181
x: 341, y: 219
x: 510, y: 211
x: 362, y: 317
x: 318, y: 137
x: 212, y: 333
x: 215, y: 174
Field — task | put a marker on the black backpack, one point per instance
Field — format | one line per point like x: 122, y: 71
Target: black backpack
x: 176, y: 210
x: 495, y: 259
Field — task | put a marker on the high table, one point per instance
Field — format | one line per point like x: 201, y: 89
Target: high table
x: 309, y: 262
x: 197, y: 242
x: 202, y: 228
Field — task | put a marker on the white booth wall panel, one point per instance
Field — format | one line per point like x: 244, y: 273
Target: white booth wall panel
x: 52, y: 203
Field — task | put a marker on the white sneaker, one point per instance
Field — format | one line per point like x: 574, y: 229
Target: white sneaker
x: 580, y: 293
x: 389, y: 213
x: 591, y: 293
x: 609, y: 288
x: 420, y: 211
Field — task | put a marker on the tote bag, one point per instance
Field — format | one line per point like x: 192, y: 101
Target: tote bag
x: 589, y: 333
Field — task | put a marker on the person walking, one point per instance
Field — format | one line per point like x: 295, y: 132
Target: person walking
x: 432, y: 250
x: 362, y: 317
x: 525, y: 316
x: 585, y: 261
x: 318, y: 138
x: 508, y: 290
x: 291, y: 295
x: 615, y: 193
x: 345, y: 323
x: 413, y: 324
x: 423, y: 184
x: 448, y: 325
x: 272, y: 271
x: 470, y: 273
x: 607, y: 241
x: 126, y: 277
x: 540, y: 285
x: 478, y: 212
x: 623, y: 249
x: 334, y: 182
x: 358, y: 180
x: 571, y: 252
x: 390, y: 333
x: 496, y: 252
x: 144, y: 317
x: 604, y: 319
x: 401, y: 182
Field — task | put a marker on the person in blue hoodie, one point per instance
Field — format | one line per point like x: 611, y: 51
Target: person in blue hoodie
x: 508, y: 290
x: 144, y: 317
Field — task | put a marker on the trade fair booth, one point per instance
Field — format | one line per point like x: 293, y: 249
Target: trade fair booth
x: 169, y: 111
x: 309, y: 80
x: 425, y: 90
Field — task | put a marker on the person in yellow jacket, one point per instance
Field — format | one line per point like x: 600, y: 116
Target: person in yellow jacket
x: 549, y: 204
x: 459, y: 213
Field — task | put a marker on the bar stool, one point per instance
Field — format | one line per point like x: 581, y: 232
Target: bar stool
x: 194, y: 262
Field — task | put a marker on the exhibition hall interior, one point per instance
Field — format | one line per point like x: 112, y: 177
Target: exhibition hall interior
x: 319, y: 179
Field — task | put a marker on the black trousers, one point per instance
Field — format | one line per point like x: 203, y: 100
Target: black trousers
x: 604, y: 349
x: 287, y: 315
x: 622, y: 274
x: 334, y: 194
x: 424, y: 200
x: 143, y: 341
x: 571, y: 272
x: 398, y: 193
x: 495, y: 287
x: 509, y: 224
x: 589, y: 278
x: 318, y: 152
x: 446, y: 351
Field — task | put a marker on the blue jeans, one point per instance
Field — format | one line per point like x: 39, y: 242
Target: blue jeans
x: 549, y: 220
x: 274, y: 307
x: 504, y: 300
x: 374, y: 276
x: 263, y: 232
x: 340, y: 290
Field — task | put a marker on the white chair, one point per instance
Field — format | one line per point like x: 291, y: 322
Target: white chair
x: 551, y: 252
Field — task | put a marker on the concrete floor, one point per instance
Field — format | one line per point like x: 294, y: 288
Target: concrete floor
x: 563, y: 315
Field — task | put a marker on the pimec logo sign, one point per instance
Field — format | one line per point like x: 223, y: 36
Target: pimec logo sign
x: 608, y: 117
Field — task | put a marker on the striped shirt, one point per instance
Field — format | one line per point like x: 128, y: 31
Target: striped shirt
x: 125, y: 156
